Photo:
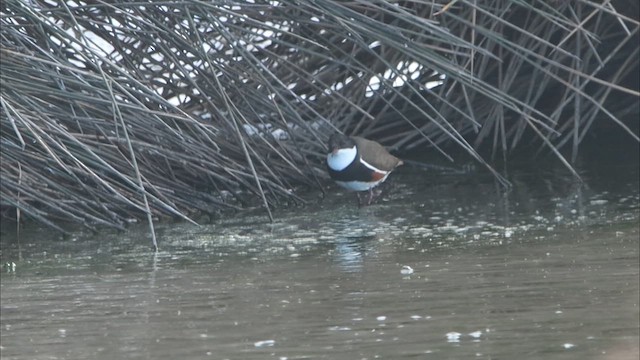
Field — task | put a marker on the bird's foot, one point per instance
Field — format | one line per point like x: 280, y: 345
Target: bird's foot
x: 366, y: 199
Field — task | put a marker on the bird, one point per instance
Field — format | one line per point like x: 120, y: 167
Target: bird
x: 358, y: 164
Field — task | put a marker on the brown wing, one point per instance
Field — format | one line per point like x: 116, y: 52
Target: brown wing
x: 376, y: 155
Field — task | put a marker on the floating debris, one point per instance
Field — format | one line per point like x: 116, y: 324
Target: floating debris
x: 264, y: 343
x: 406, y: 270
x: 10, y: 266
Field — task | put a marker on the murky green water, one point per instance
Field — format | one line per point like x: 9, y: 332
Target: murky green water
x: 450, y: 270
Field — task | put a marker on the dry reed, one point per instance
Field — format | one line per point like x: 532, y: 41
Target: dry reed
x: 113, y: 111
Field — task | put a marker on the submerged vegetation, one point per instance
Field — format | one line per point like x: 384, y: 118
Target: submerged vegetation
x: 113, y: 111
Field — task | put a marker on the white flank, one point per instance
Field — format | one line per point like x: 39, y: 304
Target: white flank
x: 360, y: 185
x: 341, y: 159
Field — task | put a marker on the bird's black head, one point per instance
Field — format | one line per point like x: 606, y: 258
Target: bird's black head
x: 339, y: 141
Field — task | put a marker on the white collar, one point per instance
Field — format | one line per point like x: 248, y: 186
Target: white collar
x: 342, y: 158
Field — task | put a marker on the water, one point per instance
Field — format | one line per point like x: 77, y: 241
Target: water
x: 547, y: 271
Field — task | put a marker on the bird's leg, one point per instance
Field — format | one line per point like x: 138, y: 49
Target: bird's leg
x: 370, y: 196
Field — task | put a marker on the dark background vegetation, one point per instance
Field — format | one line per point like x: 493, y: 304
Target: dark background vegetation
x: 112, y: 111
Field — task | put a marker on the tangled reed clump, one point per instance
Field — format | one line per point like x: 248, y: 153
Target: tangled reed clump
x: 112, y: 111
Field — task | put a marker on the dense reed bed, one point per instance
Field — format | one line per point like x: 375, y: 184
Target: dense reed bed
x: 113, y: 111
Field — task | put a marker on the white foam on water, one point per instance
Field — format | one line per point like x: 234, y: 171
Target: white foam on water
x: 453, y: 336
x: 339, y: 328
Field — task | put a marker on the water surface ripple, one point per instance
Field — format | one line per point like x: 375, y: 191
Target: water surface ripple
x: 454, y: 269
